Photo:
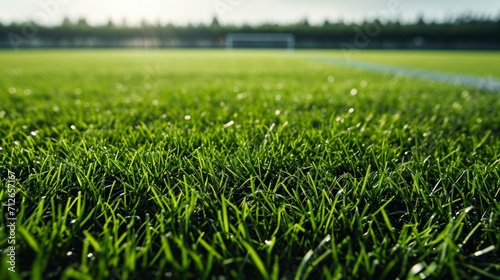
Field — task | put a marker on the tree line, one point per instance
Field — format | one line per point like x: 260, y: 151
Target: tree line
x: 462, y: 32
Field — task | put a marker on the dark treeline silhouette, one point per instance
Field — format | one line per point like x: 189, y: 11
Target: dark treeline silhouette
x: 465, y: 32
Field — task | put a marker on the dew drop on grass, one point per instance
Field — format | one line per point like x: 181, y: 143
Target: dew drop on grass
x: 187, y: 117
x: 268, y: 242
x: 272, y: 127
x: 155, y: 102
x: 33, y: 133
x: 90, y: 255
x: 484, y: 251
x: 351, y: 110
x: 328, y: 238
x: 353, y: 92
x: 363, y: 83
x: 416, y: 268
x: 72, y: 127
x: 69, y: 253
x: 228, y: 124
x: 331, y: 79
x: 78, y: 91
x: 457, y: 106
x: 2, y: 114
x: 27, y: 91
x: 277, y: 112
x: 12, y: 90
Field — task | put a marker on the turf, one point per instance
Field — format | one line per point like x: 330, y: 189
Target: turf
x: 243, y: 165
x: 485, y: 64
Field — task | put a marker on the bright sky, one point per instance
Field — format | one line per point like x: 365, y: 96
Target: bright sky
x: 237, y: 11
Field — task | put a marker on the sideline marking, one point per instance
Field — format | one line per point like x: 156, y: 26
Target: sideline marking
x: 486, y: 83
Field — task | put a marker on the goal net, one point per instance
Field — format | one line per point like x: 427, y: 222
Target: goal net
x: 260, y: 40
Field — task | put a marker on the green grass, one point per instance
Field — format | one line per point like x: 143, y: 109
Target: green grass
x: 485, y: 64
x: 248, y: 165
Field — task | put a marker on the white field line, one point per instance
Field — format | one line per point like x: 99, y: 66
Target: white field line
x: 484, y: 83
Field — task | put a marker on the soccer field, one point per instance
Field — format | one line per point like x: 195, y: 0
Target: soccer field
x: 209, y: 164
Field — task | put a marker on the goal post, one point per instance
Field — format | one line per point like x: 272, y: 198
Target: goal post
x: 260, y: 40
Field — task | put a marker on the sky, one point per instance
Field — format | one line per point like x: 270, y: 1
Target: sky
x: 51, y: 12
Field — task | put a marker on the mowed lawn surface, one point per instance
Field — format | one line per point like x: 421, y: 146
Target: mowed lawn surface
x: 473, y: 63
x: 248, y: 165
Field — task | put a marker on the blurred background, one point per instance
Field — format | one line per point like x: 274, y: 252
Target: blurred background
x: 379, y: 24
